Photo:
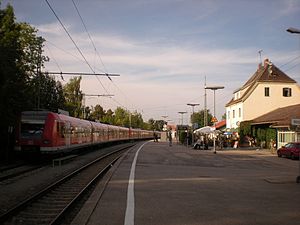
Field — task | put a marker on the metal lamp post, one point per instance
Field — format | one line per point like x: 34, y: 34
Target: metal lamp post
x: 182, y: 116
x: 193, y: 105
x: 214, y: 88
x: 182, y: 123
x: 295, y: 31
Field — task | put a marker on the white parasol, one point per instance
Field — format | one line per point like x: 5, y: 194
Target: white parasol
x: 205, y: 130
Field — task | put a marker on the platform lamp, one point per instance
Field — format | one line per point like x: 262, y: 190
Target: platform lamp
x: 193, y: 105
x: 182, y: 124
x: 214, y: 88
x: 293, y: 30
x: 182, y: 116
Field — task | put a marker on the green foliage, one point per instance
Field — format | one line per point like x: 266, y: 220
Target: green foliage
x: 97, y: 114
x: 182, y: 136
x: 270, y: 135
x: 125, y: 118
x: 244, y: 130
x: 73, y: 96
x: 224, y: 116
x: 13, y: 80
x: 155, y: 124
x: 264, y: 134
x: 261, y: 134
x: 198, y: 118
x: 20, y: 62
x: 108, y: 117
x: 137, y: 120
x: 46, y: 93
x: 32, y: 45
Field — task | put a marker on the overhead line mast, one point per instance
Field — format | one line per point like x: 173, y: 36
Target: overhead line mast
x: 83, y: 74
x: 205, y: 103
x: 78, y: 49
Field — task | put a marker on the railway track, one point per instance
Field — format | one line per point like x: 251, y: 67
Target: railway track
x: 51, y: 204
x: 11, y: 166
x: 17, y: 171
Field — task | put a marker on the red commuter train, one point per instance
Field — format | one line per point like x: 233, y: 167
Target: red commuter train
x: 47, y: 132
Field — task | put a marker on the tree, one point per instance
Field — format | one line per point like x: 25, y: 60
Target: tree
x: 13, y: 89
x: 98, y: 113
x: 46, y: 93
x: 73, y: 96
x: 121, y: 117
x: 155, y: 124
x: 224, y: 116
x: 198, y: 118
x: 136, y: 120
x: 109, y: 117
x: 20, y: 56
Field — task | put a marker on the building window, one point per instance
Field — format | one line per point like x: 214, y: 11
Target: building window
x: 228, y: 114
x: 240, y: 112
x: 287, y: 92
x: 267, y: 91
x: 233, y: 114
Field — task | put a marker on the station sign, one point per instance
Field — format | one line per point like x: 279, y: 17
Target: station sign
x: 214, y: 120
x: 295, y: 122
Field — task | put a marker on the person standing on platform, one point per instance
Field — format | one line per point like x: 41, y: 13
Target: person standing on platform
x: 155, y: 137
x: 170, y: 137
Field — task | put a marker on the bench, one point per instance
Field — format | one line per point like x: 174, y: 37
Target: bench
x: 60, y: 161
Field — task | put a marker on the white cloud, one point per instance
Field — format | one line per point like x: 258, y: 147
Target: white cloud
x: 151, y: 76
x: 289, y: 7
x: 51, y: 29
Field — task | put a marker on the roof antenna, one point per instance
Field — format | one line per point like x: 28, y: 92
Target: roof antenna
x: 259, y: 52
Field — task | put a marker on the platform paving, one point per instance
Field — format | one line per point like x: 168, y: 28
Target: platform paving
x: 179, y: 185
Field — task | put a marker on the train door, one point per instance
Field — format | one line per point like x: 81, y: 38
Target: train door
x: 68, y: 134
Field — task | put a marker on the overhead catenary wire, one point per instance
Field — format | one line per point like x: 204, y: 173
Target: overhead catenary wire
x: 81, y: 73
x: 290, y: 66
x: 98, y: 54
x: 85, y: 27
x: 75, y: 56
x: 55, y: 62
x: 78, y: 49
x: 290, y: 61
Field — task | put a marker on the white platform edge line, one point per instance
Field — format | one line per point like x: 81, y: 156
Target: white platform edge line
x: 129, y: 215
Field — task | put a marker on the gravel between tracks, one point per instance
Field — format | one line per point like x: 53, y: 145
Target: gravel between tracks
x: 17, y: 189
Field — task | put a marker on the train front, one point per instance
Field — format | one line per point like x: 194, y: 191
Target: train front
x: 30, y: 131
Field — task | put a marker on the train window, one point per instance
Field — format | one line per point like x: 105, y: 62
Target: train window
x: 32, y: 130
x: 72, y: 129
x: 59, y: 129
x: 62, y: 130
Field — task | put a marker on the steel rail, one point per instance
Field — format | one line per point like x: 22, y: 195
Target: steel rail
x: 101, y: 173
x: 5, y: 217
x: 18, y: 173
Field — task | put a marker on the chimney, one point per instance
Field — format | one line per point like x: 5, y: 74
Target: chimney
x: 266, y: 63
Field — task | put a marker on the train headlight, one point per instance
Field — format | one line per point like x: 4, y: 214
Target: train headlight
x: 46, y: 142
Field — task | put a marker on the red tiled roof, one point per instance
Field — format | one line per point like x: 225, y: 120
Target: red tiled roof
x: 280, y: 117
x: 220, y: 124
x: 262, y: 74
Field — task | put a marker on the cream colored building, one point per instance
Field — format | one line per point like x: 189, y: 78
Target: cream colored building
x: 268, y: 89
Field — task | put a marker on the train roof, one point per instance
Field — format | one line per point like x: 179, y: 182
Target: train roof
x: 34, y: 116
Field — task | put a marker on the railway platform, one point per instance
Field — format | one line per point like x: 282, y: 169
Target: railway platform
x: 158, y: 184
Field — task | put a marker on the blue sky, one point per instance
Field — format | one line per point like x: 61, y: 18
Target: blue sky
x: 163, y: 48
